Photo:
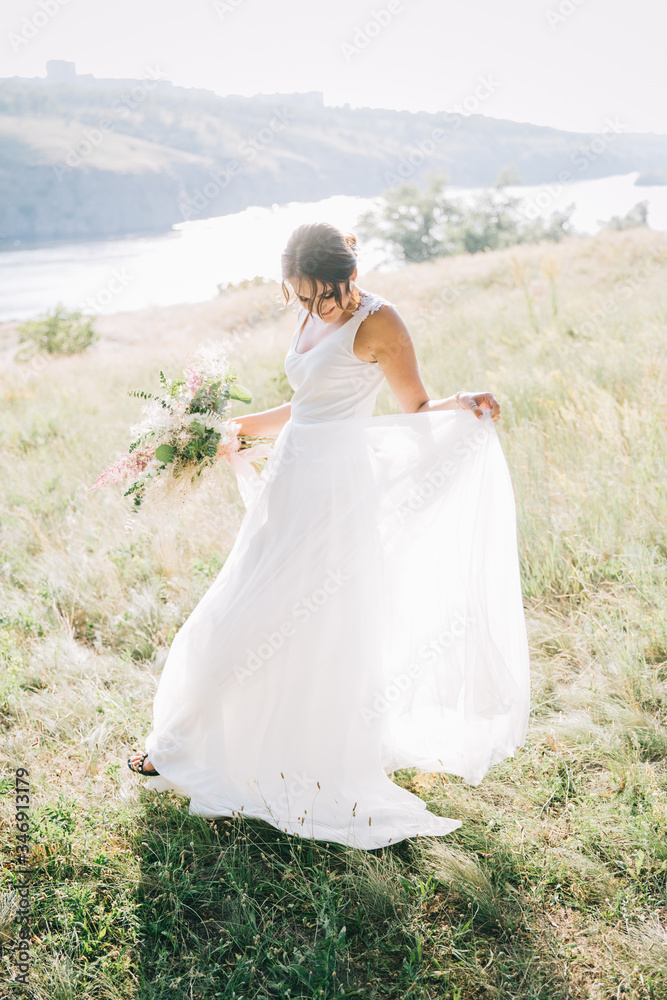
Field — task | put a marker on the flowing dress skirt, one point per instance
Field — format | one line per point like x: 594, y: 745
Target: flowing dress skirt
x: 368, y: 618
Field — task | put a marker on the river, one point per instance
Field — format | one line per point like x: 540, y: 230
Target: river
x: 188, y: 263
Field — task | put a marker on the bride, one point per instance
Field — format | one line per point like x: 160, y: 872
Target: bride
x: 369, y: 616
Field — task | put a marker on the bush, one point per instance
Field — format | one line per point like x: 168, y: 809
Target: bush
x: 415, y: 221
x: 60, y: 332
x: 637, y: 216
x: 422, y: 223
x: 231, y: 286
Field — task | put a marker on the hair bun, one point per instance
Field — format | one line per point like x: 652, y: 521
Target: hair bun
x: 351, y: 241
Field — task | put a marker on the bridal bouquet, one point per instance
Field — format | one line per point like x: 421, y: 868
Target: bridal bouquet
x: 183, y: 430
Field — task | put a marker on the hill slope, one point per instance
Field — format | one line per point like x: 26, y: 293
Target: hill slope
x: 93, y: 160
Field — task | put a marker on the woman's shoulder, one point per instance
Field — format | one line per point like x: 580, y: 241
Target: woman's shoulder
x: 381, y: 325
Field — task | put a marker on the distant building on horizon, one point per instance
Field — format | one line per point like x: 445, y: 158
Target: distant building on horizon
x: 61, y: 72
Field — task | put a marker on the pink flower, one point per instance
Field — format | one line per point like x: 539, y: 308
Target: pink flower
x: 128, y: 465
x: 193, y: 379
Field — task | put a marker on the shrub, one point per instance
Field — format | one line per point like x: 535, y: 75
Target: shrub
x: 637, y: 216
x: 60, y: 332
x: 421, y: 224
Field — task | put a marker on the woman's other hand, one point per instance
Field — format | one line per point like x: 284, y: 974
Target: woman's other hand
x: 478, y: 402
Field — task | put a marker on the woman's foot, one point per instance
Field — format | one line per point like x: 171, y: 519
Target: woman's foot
x: 140, y: 763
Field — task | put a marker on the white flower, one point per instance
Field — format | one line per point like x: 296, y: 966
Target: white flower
x: 210, y: 360
x: 154, y: 418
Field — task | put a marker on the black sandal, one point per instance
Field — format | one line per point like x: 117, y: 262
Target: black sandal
x: 140, y: 768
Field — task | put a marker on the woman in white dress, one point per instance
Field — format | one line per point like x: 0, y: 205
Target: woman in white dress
x: 369, y: 616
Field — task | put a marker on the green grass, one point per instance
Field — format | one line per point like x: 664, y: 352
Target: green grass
x: 555, y: 886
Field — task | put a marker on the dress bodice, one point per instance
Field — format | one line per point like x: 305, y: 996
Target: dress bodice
x: 329, y: 381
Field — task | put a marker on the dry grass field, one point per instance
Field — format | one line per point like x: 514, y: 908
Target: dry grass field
x: 555, y: 886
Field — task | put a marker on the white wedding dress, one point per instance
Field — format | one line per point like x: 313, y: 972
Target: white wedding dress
x: 368, y: 618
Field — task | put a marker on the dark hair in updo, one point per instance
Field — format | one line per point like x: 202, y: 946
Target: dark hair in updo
x: 319, y: 252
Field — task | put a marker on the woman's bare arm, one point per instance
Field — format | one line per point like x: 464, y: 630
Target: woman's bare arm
x: 266, y: 423
x: 384, y: 338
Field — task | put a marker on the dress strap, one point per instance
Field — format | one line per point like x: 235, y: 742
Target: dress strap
x: 370, y: 303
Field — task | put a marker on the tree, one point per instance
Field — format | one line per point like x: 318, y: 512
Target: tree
x: 637, y: 216
x: 421, y: 223
x: 414, y: 221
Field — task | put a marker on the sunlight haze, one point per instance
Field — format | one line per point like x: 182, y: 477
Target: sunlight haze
x: 569, y: 64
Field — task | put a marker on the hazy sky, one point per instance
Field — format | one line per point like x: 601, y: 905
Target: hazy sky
x: 566, y: 63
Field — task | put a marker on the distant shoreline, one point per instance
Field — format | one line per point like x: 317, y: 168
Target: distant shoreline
x: 86, y: 159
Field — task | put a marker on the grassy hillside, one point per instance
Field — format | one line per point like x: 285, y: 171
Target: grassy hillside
x: 49, y: 138
x: 555, y: 886
x: 162, y: 145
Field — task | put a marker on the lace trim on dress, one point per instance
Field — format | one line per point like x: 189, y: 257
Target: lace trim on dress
x: 370, y: 304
